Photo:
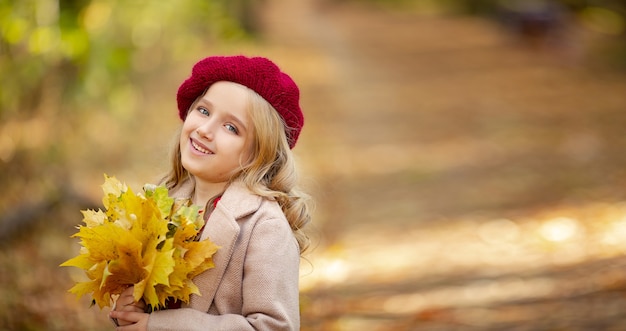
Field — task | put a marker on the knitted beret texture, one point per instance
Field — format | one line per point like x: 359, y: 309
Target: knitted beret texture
x: 257, y: 73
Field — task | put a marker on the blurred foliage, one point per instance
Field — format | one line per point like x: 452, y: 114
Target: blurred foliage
x: 69, y: 66
x: 604, y: 18
x: 493, y: 6
x: 95, y: 44
x: 75, y: 78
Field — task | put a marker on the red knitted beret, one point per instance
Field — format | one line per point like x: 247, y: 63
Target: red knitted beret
x: 257, y: 73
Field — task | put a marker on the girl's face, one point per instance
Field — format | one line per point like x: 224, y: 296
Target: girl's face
x: 214, y: 140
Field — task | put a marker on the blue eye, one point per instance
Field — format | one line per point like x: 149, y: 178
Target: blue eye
x: 203, y: 111
x: 232, y: 128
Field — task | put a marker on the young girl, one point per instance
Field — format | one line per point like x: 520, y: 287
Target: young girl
x: 241, y: 117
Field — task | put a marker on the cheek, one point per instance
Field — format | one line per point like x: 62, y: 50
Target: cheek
x: 186, y: 130
x: 185, y: 135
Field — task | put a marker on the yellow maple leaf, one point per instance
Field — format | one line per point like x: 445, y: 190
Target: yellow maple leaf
x: 127, y: 269
x: 112, y: 189
x: 93, y: 218
x: 146, y: 241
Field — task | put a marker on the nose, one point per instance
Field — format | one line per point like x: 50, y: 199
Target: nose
x: 206, y: 129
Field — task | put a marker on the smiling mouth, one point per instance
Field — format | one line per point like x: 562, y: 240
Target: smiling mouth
x: 200, y: 148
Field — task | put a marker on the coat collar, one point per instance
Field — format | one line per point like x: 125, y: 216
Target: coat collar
x: 239, y: 201
x: 237, y: 198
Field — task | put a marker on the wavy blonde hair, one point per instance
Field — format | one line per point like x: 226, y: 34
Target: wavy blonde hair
x: 270, y: 171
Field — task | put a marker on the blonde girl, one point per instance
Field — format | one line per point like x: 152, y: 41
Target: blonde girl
x: 241, y: 118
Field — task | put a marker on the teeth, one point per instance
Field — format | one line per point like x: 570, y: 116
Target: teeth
x: 199, y: 148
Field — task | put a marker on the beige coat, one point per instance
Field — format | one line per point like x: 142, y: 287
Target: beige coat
x: 254, y: 285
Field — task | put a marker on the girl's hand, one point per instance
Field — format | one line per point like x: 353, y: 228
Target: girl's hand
x: 126, y: 304
x: 136, y: 321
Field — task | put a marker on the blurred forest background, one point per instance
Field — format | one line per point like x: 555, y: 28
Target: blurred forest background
x: 467, y: 157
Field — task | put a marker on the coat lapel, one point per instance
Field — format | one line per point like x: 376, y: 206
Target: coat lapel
x: 222, y: 229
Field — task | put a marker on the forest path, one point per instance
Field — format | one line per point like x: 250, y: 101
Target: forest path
x: 466, y: 179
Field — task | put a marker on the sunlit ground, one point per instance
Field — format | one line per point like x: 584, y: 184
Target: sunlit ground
x: 466, y: 272
x: 560, y: 237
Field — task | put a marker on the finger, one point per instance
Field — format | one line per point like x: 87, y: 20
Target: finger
x: 127, y: 299
x: 132, y: 308
x: 122, y: 305
x: 127, y: 316
x: 140, y: 305
x: 128, y: 292
x: 116, y: 321
x: 141, y: 325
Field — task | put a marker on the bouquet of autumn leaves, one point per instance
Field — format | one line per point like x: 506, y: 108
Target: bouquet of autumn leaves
x: 147, y: 240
